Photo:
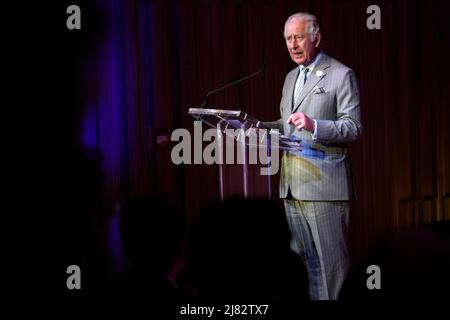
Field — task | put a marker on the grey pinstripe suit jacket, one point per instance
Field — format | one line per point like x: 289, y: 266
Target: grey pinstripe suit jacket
x: 321, y: 170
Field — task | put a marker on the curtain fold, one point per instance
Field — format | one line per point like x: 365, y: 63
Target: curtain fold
x: 158, y: 58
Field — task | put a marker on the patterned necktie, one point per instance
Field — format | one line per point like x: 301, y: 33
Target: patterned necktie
x: 299, y: 84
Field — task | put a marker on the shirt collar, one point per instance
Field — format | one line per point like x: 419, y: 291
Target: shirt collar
x: 313, y: 64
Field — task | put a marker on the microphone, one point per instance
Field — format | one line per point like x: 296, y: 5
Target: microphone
x: 205, y: 102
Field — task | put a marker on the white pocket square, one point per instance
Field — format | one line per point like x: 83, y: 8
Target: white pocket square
x: 319, y: 90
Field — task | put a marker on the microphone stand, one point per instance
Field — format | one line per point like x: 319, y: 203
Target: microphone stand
x: 205, y: 102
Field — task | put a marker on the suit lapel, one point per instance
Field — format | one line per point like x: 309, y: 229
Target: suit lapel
x: 312, y: 80
x: 293, y: 80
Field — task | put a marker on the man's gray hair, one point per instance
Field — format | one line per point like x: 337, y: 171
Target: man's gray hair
x: 312, y: 26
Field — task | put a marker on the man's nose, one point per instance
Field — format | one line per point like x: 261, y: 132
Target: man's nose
x: 293, y: 43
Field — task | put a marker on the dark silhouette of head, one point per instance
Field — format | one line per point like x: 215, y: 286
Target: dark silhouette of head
x: 414, y: 264
x: 240, y: 249
x: 152, y: 233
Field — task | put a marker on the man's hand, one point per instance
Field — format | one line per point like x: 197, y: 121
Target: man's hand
x: 301, y: 121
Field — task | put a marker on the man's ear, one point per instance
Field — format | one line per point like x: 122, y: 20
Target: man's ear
x: 317, y: 40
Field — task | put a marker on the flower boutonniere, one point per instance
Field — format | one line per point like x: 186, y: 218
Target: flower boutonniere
x: 320, y: 73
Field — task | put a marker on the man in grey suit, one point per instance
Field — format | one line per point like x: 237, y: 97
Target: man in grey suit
x: 319, y: 107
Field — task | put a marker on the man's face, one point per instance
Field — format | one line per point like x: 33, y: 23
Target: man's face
x: 299, y: 44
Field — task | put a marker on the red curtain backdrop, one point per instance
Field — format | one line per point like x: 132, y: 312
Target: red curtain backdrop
x: 159, y: 58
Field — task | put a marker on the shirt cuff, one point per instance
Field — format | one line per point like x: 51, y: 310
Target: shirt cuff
x: 314, y: 134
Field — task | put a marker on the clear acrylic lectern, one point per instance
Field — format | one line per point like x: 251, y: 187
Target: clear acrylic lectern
x: 251, y: 133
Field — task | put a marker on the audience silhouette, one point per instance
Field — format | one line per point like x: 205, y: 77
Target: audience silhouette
x: 55, y: 225
x: 414, y: 265
x: 152, y: 233
x: 239, y: 250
